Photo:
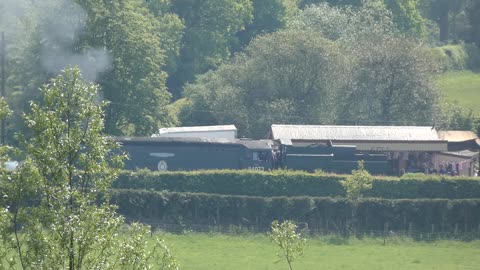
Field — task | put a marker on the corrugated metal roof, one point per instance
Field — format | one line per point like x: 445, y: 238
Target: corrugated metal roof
x: 457, y: 135
x: 463, y: 153
x: 355, y: 133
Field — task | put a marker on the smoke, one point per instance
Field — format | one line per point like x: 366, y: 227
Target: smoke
x: 58, y: 24
x: 11, y: 13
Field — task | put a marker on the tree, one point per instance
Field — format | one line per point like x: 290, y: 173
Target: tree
x: 120, y: 45
x: 355, y: 184
x: 446, y: 13
x: 268, y: 17
x: 358, y: 182
x: 455, y: 117
x: 474, y: 19
x: 288, y: 77
x: 24, y: 71
x: 392, y: 82
x: 210, y: 28
x: 345, y: 22
x: 291, y: 243
x: 55, y: 211
x: 4, y: 110
x: 407, y: 16
x: 135, y: 83
x: 171, y: 29
x: 391, y: 77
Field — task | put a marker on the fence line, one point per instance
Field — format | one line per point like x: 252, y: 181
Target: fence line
x: 312, y: 232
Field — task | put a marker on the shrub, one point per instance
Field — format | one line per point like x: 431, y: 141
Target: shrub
x: 296, y: 183
x: 457, y: 57
x: 320, y: 214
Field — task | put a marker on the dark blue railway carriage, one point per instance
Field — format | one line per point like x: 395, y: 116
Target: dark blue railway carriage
x: 174, y: 154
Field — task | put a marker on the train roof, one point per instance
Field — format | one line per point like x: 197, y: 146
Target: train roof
x: 248, y: 143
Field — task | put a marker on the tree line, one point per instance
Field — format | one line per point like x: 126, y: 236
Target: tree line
x: 186, y: 62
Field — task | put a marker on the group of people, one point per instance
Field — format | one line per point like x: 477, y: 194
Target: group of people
x: 450, y: 168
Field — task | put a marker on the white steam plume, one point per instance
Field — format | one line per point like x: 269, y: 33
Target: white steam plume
x: 59, y: 22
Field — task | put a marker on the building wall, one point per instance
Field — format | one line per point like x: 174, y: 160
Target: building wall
x: 225, y: 134
x: 467, y: 164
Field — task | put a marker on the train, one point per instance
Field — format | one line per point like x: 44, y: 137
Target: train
x: 187, y: 154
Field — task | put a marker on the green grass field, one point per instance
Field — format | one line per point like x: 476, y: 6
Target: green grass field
x: 463, y: 87
x: 213, y: 251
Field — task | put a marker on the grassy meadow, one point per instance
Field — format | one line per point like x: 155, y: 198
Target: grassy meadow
x: 463, y: 87
x: 214, y: 251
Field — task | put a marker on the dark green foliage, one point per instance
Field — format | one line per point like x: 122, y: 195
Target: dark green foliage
x: 255, y: 89
x: 321, y: 214
x: 135, y: 83
x: 278, y: 183
x: 210, y: 28
x: 435, y: 187
x: 457, y: 117
x: 268, y: 17
x: 291, y: 183
x: 473, y: 15
x: 407, y: 16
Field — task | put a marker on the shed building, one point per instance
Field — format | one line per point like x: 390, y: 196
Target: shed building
x: 409, y: 148
x: 463, y: 152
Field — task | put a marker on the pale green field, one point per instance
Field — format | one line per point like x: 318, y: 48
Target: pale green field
x: 463, y: 87
x: 204, y: 251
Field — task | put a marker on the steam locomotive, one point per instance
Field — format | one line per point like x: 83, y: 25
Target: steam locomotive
x: 175, y: 154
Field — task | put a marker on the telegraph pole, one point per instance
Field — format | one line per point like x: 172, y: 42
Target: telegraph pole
x: 2, y: 86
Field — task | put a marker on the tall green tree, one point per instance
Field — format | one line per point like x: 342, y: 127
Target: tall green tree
x: 407, y: 16
x: 268, y: 16
x: 24, y: 72
x: 55, y: 211
x: 122, y: 45
x: 135, y: 83
x: 391, y: 75
x: 171, y: 30
x: 210, y: 35
x: 474, y: 19
x: 285, y: 77
x: 446, y: 14
x: 392, y: 83
x: 345, y: 23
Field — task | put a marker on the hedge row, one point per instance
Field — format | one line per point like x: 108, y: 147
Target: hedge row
x: 321, y: 214
x: 291, y: 183
x: 457, y: 57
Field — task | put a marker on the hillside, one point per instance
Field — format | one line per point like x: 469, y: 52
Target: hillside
x: 463, y: 87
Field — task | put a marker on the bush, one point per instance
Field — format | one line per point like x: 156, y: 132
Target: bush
x: 457, y: 57
x: 317, y: 214
x: 297, y: 183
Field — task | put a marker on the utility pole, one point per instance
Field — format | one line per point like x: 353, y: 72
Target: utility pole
x: 2, y: 86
